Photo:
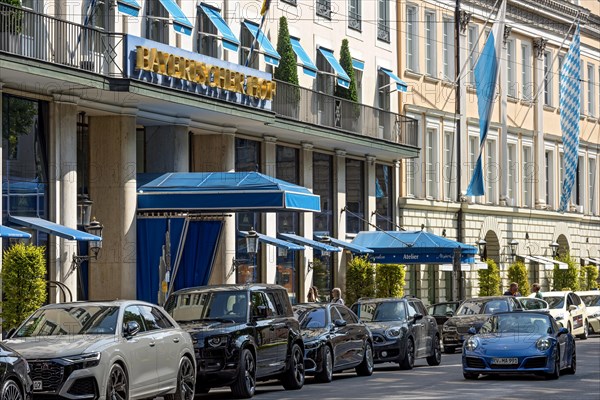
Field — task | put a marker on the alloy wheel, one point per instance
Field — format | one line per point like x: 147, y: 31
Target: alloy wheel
x: 11, y: 391
x: 117, y: 388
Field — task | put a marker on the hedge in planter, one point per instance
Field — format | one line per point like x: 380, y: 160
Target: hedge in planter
x: 566, y: 279
x: 588, y: 277
x: 390, y: 280
x: 517, y: 272
x: 489, y: 280
x: 23, y: 283
x: 360, y: 279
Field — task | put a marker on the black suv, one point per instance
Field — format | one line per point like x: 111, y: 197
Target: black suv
x: 402, y: 330
x: 241, y: 334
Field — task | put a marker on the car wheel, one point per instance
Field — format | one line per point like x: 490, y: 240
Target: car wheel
x: 326, y: 374
x: 586, y: 331
x: 11, y: 391
x: 409, y: 357
x: 436, y: 353
x: 470, y: 375
x: 245, y: 383
x: 573, y: 367
x: 186, y: 381
x: 555, y: 374
x: 293, y: 378
x: 449, y: 349
x: 118, y: 384
x: 365, y: 368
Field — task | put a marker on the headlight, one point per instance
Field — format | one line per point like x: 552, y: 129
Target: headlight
x: 392, y: 333
x: 217, y: 341
x: 542, y: 344
x: 559, y: 316
x: 471, y: 343
x: 311, y: 345
x: 84, y: 360
x: 449, y: 328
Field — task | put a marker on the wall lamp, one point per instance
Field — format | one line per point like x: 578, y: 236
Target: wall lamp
x: 514, y: 245
x: 94, y: 246
x: 481, y: 243
x: 554, y: 246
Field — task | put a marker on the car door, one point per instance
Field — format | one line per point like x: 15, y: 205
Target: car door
x: 562, y: 341
x: 279, y: 325
x: 418, y: 327
x: 577, y: 312
x: 140, y: 352
x: 266, y: 352
x: 339, y: 339
x: 429, y: 327
x: 354, y: 334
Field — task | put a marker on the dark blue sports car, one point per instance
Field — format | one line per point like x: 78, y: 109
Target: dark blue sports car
x: 519, y: 342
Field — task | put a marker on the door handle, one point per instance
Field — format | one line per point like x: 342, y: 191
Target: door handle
x: 176, y: 340
x: 152, y: 344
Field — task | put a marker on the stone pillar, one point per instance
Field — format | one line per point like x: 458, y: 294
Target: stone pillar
x: 370, y: 177
x: 396, y: 184
x: 306, y: 218
x: 339, y: 276
x: 113, y: 191
x: 504, y: 124
x: 463, y: 48
x: 167, y: 148
x: 269, y: 253
x: 539, y: 45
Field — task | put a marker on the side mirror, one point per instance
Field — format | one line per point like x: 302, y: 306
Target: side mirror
x: 572, y: 307
x: 449, y: 314
x: 131, y: 329
x: 340, y: 323
x: 562, y: 331
x: 472, y: 331
x: 417, y: 317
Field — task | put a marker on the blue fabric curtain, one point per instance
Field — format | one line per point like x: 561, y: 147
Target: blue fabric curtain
x: 150, y: 239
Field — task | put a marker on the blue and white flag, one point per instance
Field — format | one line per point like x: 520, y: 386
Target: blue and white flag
x: 486, y: 76
x: 569, y: 116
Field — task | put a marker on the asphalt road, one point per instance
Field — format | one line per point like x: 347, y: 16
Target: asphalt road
x: 443, y: 382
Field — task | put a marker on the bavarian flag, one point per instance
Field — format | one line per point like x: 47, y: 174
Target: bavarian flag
x: 265, y: 7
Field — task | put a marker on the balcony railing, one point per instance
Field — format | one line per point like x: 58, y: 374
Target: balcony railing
x: 41, y: 37
x: 324, y: 8
x: 317, y: 108
x: 354, y: 20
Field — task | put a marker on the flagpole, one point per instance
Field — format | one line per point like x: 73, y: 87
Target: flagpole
x: 263, y: 11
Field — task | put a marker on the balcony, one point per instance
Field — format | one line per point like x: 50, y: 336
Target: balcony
x: 308, y: 106
x: 324, y: 8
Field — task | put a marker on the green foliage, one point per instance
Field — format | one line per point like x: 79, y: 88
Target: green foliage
x: 489, y: 280
x: 588, y: 277
x: 360, y: 279
x: 346, y: 62
x: 287, y: 71
x: 517, y: 272
x: 566, y: 279
x: 23, y: 282
x: 389, y: 280
x: 11, y: 21
x: 18, y: 117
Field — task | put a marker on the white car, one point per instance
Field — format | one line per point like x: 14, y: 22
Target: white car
x: 591, y: 298
x: 569, y: 311
x: 106, y: 350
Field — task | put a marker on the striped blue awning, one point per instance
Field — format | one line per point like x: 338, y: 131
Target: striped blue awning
x: 354, y: 248
x: 309, y: 242
x: 357, y: 64
x: 54, y: 229
x: 308, y: 67
x: 342, y: 77
x: 180, y: 22
x: 11, y: 233
x: 275, y: 242
x: 401, y: 86
x: 129, y: 7
x: 271, y: 55
x: 229, y: 40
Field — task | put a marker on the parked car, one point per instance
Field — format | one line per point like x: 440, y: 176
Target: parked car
x: 114, y: 349
x: 402, y: 330
x: 591, y: 298
x: 334, y: 340
x: 569, y: 311
x: 442, y: 311
x: 15, y: 381
x: 472, y: 314
x: 519, y: 343
x: 241, y: 333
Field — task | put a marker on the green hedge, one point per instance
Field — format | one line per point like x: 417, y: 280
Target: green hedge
x: 390, y: 280
x: 566, y: 279
x: 360, y: 279
x: 517, y: 272
x: 489, y: 280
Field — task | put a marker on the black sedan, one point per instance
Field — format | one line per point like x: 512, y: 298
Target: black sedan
x: 14, y: 371
x: 334, y: 340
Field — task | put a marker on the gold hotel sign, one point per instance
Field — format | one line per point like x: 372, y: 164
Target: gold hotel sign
x: 175, y: 66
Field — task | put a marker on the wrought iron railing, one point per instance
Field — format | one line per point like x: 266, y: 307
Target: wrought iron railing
x: 383, y: 32
x: 354, y: 20
x: 41, y: 37
x: 324, y: 8
x: 305, y: 105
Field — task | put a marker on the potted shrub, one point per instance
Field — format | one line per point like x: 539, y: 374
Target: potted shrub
x: 517, y: 272
x: 489, y: 280
x: 389, y: 280
x: 287, y: 71
x: 350, y: 94
x: 360, y: 279
x: 566, y: 279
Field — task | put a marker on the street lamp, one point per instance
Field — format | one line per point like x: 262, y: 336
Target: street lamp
x: 554, y: 247
x: 84, y: 210
x: 481, y: 244
x: 514, y: 245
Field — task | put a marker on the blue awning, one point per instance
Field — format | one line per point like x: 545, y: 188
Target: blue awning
x: 129, y: 7
x: 401, y: 86
x: 11, y: 233
x: 271, y: 55
x: 357, y: 64
x: 308, y: 67
x: 229, y: 40
x: 342, y: 77
x: 53, y: 228
x: 309, y: 242
x: 354, y: 248
x: 180, y: 22
x: 224, y: 191
x: 275, y: 242
x: 413, y: 247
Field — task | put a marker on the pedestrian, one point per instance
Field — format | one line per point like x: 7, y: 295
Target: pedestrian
x: 513, y: 290
x: 313, y: 295
x: 535, y: 291
x: 336, y: 296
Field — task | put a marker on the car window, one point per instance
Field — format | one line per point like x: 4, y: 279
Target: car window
x: 576, y: 299
x: 569, y: 300
x: 556, y: 302
x: 418, y: 306
x: 133, y: 313
x: 260, y: 299
x: 209, y: 305
x: 149, y: 319
x: 346, y: 314
x: 276, y: 303
x: 161, y: 319
x: 591, y: 300
x: 411, y: 309
x: 334, y: 314
x: 312, y: 319
x: 495, y: 306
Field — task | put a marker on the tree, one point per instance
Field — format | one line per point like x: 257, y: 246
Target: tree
x: 346, y: 62
x: 360, y: 279
x: 517, y: 272
x: 23, y: 283
x: 489, y: 280
x: 287, y: 71
x: 566, y: 279
x: 588, y: 277
x: 389, y: 280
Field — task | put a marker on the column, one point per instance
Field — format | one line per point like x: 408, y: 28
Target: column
x: 539, y: 46
x: 306, y: 218
x: 113, y: 191
x: 339, y: 274
x: 269, y: 253
x: 167, y: 148
x: 370, y: 177
x: 504, y: 124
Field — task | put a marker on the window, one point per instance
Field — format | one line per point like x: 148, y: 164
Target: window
x: 325, y: 80
x: 323, y: 186
x: 560, y: 64
x: 207, y: 36
x: 512, y: 171
x: 592, y: 185
x: 528, y: 176
x: 549, y: 156
x: 384, y: 197
x: 591, y: 109
x: 246, y: 40
x: 526, y: 83
x: 157, y: 22
x: 473, y: 51
x: 448, y: 48
x: 354, y: 17
x: 580, y: 182
x: 383, y: 94
x: 492, y: 170
x: 410, y: 177
x: 96, y: 17
x: 561, y: 172
x: 383, y: 21
x: 510, y: 66
x: 473, y: 153
x: 412, y: 39
x: 133, y: 314
x: 430, y: 44
x: 28, y: 4
x: 358, y: 75
x: 449, y: 166
x: 324, y: 8
x: 548, y: 79
x: 149, y: 318
x: 431, y: 162
x: 582, y: 90
x: 354, y: 195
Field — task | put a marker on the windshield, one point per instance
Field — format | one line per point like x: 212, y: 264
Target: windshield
x: 71, y: 320
x: 483, y: 307
x: 529, y: 303
x: 555, y: 302
x: 591, y: 300
x: 521, y: 323
x: 218, y: 306
x: 381, y: 312
x: 315, y: 318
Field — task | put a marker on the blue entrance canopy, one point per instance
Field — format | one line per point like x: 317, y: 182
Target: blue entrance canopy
x: 129, y: 7
x: 271, y: 55
x: 308, y: 242
x: 354, y: 248
x: 401, y: 86
x: 342, y: 77
x: 413, y: 247
x: 11, y: 233
x: 180, y: 22
x: 224, y: 191
x: 308, y: 67
x: 275, y: 242
x: 229, y: 40
x: 54, y: 229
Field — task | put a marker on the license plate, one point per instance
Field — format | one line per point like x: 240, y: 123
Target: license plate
x: 37, y: 385
x: 505, y: 361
